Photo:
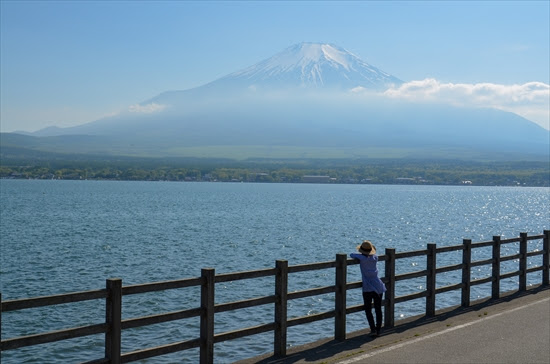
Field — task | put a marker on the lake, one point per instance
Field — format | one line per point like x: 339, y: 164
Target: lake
x: 64, y: 236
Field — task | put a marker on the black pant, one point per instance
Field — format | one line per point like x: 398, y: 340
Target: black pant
x: 368, y: 298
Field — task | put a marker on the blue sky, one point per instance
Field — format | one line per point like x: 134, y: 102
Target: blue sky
x: 66, y: 63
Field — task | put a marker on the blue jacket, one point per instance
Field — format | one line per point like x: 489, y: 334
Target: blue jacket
x: 369, y: 273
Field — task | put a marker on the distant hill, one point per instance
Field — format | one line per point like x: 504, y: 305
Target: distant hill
x: 302, y: 102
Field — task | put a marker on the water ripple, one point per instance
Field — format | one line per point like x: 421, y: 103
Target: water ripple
x: 65, y: 236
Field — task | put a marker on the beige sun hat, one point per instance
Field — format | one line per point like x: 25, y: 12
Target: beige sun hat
x: 366, y: 248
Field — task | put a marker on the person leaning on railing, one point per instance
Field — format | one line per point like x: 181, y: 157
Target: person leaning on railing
x: 373, y: 287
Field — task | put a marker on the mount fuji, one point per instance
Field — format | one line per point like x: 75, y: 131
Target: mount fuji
x: 301, y: 68
x: 311, y: 99
x: 310, y: 65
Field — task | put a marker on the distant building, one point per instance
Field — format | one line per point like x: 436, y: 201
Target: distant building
x: 411, y: 180
x: 316, y: 179
x: 261, y: 177
x: 404, y: 180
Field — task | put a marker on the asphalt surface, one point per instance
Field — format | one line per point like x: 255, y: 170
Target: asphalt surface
x: 512, y: 329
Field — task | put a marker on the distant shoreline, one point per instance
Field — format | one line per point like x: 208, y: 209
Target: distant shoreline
x: 330, y: 171
x: 410, y: 182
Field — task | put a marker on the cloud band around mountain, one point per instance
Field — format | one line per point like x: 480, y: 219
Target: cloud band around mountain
x: 146, y: 109
x: 530, y: 100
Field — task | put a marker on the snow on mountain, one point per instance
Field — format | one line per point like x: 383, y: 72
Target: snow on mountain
x: 311, y: 65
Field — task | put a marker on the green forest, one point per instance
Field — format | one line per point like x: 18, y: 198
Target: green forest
x: 383, y: 171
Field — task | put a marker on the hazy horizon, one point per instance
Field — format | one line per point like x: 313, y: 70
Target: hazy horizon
x: 69, y: 63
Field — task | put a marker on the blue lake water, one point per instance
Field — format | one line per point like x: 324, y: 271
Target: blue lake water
x: 65, y: 236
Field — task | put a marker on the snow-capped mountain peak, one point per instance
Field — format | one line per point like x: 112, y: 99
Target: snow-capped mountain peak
x: 311, y: 65
x: 304, y: 54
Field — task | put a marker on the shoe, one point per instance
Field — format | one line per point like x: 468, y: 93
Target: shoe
x: 374, y: 333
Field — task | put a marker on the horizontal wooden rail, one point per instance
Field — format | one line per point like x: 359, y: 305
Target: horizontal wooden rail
x: 535, y: 269
x: 509, y: 275
x: 411, y: 275
x: 482, y: 244
x: 310, y: 318
x: 310, y: 292
x: 252, y: 302
x: 244, y: 332
x: 310, y: 267
x: 228, y: 277
x: 511, y: 240
x: 356, y: 308
x: 410, y: 297
x: 354, y: 285
x: 482, y: 281
x: 416, y: 253
x: 449, y: 268
x: 159, y: 350
x: 114, y: 325
x: 160, y: 318
x: 452, y: 287
x: 161, y: 286
x: 53, y: 336
x: 510, y: 257
x: 482, y: 262
x: 21, y: 304
x: 448, y: 249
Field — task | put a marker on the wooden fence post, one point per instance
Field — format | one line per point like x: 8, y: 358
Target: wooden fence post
x: 113, y: 318
x: 546, y: 258
x: 430, y: 280
x: 207, y: 316
x: 281, y: 293
x: 389, y: 274
x: 495, y: 287
x: 466, y: 272
x: 523, y: 262
x: 1, y: 316
x: 340, y: 297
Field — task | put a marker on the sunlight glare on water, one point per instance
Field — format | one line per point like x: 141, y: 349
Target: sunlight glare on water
x: 67, y: 236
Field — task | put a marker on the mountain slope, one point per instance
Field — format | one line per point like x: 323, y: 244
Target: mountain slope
x: 303, y: 97
x: 304, y: 67
x: 312, y: 65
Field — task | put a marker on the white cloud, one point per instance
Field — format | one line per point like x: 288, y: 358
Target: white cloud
x: 530, y: 100
x: 358, y: 89
x: 146, y: 109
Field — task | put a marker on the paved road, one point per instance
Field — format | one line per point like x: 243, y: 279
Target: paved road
x: 513, y: 329
x: 518, y: 335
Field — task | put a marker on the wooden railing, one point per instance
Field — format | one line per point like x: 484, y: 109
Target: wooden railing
x: 114, y: 326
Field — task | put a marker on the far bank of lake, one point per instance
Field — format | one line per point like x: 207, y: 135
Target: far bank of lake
x: 401, y: 172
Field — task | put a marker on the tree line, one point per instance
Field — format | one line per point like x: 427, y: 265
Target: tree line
x: 291, y: 171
